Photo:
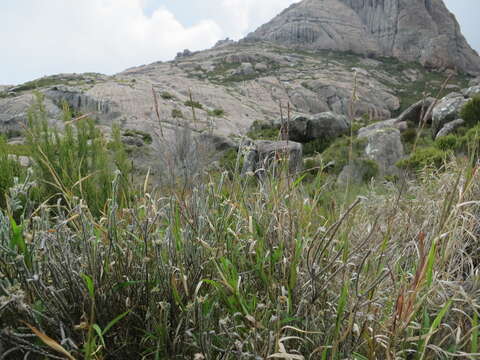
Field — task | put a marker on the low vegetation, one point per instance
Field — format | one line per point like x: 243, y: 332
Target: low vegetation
x: 94, y: 266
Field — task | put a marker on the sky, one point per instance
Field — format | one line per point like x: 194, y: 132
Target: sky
x: 44, y: 37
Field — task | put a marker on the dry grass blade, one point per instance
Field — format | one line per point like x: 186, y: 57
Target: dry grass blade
x: 50, y: 342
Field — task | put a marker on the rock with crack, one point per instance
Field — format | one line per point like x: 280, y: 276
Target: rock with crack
x: 446, y: 110
x: 326, y: 125
x: 450, y: 127
x: 411, y: 30
x: 263, y: 156
x: 384, y: 146
x: 421, y: 110
x: 14, y: 113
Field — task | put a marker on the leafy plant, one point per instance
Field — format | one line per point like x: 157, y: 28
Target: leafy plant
x: 470, y: 112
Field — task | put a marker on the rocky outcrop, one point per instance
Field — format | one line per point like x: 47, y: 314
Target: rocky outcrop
x: 14, y: 113
x: 325, y: 125
x: 410, y: 30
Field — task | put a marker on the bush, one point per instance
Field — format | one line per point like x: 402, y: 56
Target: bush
x: 194, y: 104
x: 177, y: 114
x: 448, y: 142
x: 166, y: 95
x: 471, y: 111
x: 409, y: 136
x: 338, y: 153
x: 470, y: 142
x: 146, y: 138
x: 422, y: 158
x: 78, y: 162
x: 264, y: 131
x: 316, y: 146
x: 217, y: 112
x: 9, y: 170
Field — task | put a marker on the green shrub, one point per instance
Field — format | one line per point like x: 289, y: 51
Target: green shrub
x: 230, y: 161
x: 166, y: 95
x: 471, y: 111
x: 194, y: 104
x: 409, y: 136
x: 177, y: 114
x: 338, y: 153
x: 424, y: 157
x: 316, y: 146
x: 370, y: 167
x: 78, y: 162
x: 217, y: 112
x: 264, y: 131
x: 470, y: 142
x: 448, y: 142
x: 9, y: 169
x: 146, y: 138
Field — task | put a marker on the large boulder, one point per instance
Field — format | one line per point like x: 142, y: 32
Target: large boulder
x: 421, y: 110
x: 262, y: 155
x: 446, y: 110
x: 384, y: 146
x: 325, y: 125
x: 472, y: 91
x: 450, y: 127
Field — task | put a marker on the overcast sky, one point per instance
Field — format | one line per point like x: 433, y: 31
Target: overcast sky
x: 44, y: 37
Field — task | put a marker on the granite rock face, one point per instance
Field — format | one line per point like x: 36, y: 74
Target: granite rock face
x: 411, y: 30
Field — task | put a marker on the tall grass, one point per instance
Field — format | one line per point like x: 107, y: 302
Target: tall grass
x: 235, y: 269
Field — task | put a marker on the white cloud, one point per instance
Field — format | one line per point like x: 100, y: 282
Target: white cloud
x: 42, y: 37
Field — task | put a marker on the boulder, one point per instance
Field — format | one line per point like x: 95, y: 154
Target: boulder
x: 326, y: 125
x: 245, y: 69
x: 471, y: 91
x: 446, y: 110
x: 261, y: 67
x: 357, y: 172
x: 384, y: 146
x: 263, y: 155
x: 450, y: 127
x: 417, y: 111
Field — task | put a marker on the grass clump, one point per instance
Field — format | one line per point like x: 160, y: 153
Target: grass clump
x: 448, y: 142
x: 470, y: 112
x: 177, y: 114
x: 217, y: 112
x: 424, y: 158
x: 338, y: 153
x: 9, y: 170
x: 166, y: 95
x: 193, y: 104
x: 264, y: 131
x: 146, y: 138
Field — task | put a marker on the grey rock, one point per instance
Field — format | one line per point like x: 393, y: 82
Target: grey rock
x: 14, y: 113
x: 384, y: 146
x: 450, y: 127
x: 472, y: 91
x: 224, y: 42
x: 261, y: 67
x: 306, y: 101
x: 245, y: 69
x: 380, y: 125
x: 410, y: 30
x: 446, y: 110
x: 83, y: 102
x: 475, y: 81
x: 421, y: 110
x: 219, y: 143
x: 264, y: 156
x: 326, y: 125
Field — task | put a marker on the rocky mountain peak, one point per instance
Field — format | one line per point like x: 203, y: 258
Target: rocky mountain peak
x: 410, y: 30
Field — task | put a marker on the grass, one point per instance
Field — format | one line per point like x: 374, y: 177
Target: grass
x: 232, y: 268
